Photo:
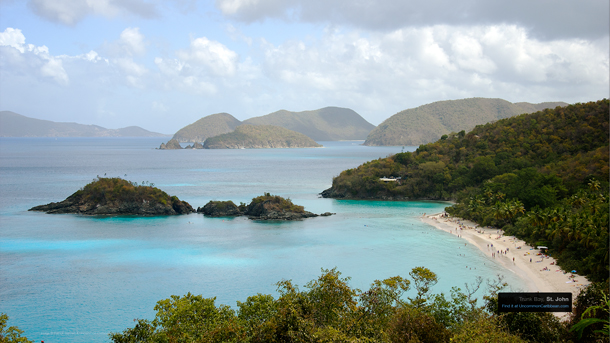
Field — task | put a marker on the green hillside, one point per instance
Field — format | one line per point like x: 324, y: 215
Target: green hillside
x: 325, y: 124
x: 429, y: 122
x: 542, y: 177
x: 209, y: 126
x: 260, y: 137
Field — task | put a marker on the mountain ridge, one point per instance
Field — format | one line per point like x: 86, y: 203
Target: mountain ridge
x: 427, y: 123
x: 324, y: 124
x: 17, y: 125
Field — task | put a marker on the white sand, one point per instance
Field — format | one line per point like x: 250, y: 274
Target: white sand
x: 536, y: 277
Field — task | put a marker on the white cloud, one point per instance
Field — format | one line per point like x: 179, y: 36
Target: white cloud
x: 562, y: 18
x: 133, y: 41
x: 413, y: 66
x: 218, y: 59
x: 133, y: 71
x: 13, y: 38
x: 54, y: 68
x: 21, y: 57
x: 70, y: 12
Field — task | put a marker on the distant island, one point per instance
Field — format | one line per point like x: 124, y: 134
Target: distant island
x: 260, y: 137
x: 206, y: 127
x: 264, y: 207
x: 250, y: 137
x: 116, y: 196
x: 430, y: 122
x: 325, y: 124
x: 17, y: 125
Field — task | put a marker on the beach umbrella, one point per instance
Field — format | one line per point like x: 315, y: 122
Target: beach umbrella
x: 573, y: 271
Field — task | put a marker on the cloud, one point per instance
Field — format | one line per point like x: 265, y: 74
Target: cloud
x: 13, y: 38
x: 412, y: 66
x: 70, y: 12
x: 130, y: 43
x: 133, y: 72
x: 545, y: 20
x: 20, y: 57
x: 216, y: 57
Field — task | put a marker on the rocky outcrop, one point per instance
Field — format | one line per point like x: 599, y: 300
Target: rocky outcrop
x: 266, y: 211
x: 195, y: 145
x: 173, y: 144
x: 266, y: 207
x: 114, y: 196
x: 220, y: 209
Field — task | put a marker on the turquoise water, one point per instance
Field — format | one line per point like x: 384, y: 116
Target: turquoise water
x: 68, y: 278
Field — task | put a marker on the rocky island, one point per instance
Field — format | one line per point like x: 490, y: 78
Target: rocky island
x: 115, y: 196
x: 264, y: 207
x: 260, y: 137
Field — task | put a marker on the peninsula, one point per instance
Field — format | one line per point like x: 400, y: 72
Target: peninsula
x: 115, y: 196
x: 264, y: 207
x: 540, y: 177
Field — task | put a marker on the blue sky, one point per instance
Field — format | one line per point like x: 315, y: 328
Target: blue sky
x: 163, y: 64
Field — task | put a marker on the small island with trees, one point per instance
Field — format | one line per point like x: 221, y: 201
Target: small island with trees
x: 116, y: 196
x: 264, y: 207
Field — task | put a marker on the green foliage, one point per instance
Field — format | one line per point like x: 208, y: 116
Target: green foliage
x: 484, y: 330
x: 530, y: 175
x: 414, y: 325
x: 585, y: 322
x: 427, y: 123
x: 590, y: 314
x: 329, y: 310
x: 110, y: 190
x: 423, y: 279
x: 222, y: 205
x: 277, y: 203
x: 12, y: 333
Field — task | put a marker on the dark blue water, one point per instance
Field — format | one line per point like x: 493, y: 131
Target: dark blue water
x: 68, y: 278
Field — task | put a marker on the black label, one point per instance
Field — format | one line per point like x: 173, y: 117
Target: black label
x: 535, y: 302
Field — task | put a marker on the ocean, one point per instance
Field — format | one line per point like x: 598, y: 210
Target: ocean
x: 70, y: 278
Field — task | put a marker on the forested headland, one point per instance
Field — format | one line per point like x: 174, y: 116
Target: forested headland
x: 542, y: 177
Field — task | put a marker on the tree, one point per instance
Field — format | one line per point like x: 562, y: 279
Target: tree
x: 423, y: 279
x: 11, y: 333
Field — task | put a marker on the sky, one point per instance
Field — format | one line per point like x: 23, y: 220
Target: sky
x: 163, y: 64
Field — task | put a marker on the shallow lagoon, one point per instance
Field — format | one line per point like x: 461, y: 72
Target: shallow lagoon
x: 67, y: 278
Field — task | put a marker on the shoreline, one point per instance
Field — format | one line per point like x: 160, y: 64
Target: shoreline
x: 542, y: 274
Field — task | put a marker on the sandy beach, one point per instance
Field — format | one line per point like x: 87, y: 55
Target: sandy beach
x: 540, y: 272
